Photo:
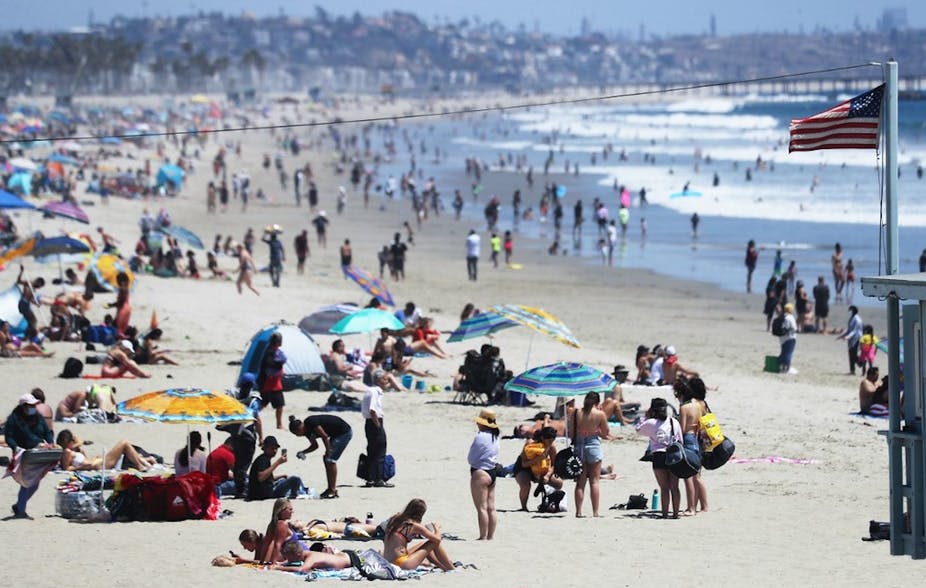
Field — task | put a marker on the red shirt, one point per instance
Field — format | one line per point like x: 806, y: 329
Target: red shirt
x: 219, y: 462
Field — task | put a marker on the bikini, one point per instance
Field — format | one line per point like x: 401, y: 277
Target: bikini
x: 401, y: 559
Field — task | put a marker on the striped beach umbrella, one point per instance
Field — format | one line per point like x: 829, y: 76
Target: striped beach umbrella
x: 370, y: 284
x: 187, y: 406
x: 561, y: 379
x: 481, y: 325
x: 538, y: 320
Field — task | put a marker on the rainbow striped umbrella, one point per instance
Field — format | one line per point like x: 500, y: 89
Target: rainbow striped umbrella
x: 538, y: 320
x: 186, y: 406
x: 481, y: 325
x: 561, y: 379
x: 371, y: 285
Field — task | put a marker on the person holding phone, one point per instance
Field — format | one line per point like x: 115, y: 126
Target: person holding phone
x: 263, y: 482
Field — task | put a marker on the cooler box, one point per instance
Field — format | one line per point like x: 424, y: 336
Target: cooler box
x: 77, y: 505
x: 771, y: 363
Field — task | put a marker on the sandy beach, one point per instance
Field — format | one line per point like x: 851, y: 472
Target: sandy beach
x: 769, y: 523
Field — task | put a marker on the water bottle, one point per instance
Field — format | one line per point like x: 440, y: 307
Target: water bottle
x: 655, y: 503
x: 370, y: 518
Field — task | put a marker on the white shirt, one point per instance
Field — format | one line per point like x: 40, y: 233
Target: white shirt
x: 472, y: 245
x: 372, y: 401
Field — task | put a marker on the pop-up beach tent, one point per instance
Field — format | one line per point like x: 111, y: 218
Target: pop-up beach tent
x: 303, y: 358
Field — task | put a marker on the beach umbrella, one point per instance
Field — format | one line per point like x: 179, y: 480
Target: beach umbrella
x: 10, y: 200
x: 322, y: 319
x: 19, y: 250
x: 64, y: 159
x: 58, y: 246
x: 186, y: 406
x: 21, y: 180
x: 538, y: 320
x: 106, y: 267
x: 67, y: 210
x: 561, y: 379
x: 22, y: 163
x: 189, y: 406
x: 371, y: 285
x: 481, y: 325
x: 367, y: 320
x: 183, y: 234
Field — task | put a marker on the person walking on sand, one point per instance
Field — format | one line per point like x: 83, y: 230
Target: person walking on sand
x: 509, y: 247
x: 301, y: 247
x: 495, y: 243
x: 752, y: 259
x: 482, y: 458
x: 821, y: 304
x: 321, y: 228
x: 662, y: 430
x: 277, y: 256
x: 122, y: 305
x: 371, y: 407
x: 589, y: 426
x: 245, y: 267
x: 472, y: 255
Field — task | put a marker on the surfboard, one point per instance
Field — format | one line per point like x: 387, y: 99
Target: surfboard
x: 685, y: 193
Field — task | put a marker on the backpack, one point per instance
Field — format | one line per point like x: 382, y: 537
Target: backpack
x: 778, y: 326
x: 73, y: 367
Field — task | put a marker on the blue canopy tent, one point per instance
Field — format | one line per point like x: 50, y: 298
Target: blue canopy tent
x: 169, y: 173
x: 10, y: 200
x: 302, y: 355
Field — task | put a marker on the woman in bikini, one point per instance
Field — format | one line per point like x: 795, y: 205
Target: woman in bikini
x: 591, y: 426
x: 279, y: 531
x: 73, y: 457
x: 690, y: 412
x: 406, y: 525
x: 245, y: 267
x: 122, y: 306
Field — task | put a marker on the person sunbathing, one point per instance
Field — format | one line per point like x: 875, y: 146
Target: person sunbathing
x: 401, y: 362
x: 119, y: 360
x: 300, y: 559
x: 122, y: 453
x: 425, y: 338
x: 404, y: 526
x: 148, y: 352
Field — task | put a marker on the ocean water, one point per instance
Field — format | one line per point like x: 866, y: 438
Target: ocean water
x: 801, y: 203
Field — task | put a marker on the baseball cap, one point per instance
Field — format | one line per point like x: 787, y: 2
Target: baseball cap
x: 28, y: 399
x: 270, y: 440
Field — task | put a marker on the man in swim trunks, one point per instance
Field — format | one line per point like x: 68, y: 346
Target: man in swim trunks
x: 314, y: 558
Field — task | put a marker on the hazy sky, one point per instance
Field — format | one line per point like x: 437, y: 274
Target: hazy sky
x: 658, y: 16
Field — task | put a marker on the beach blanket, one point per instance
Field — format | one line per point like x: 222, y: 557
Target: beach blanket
x: 877, y: 411
x: 774, y: 459
x: 331, y: 408
x: 125, y: 376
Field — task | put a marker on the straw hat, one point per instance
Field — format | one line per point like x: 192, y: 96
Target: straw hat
x: 487, y: 418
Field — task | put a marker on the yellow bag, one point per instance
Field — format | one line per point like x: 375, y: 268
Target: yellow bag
x: 711, y: 435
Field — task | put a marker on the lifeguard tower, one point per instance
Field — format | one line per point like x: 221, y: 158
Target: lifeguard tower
x: 905, y: 435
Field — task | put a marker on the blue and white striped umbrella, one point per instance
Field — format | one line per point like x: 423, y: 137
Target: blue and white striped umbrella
x: 481, y: 325
x: 561, y: 379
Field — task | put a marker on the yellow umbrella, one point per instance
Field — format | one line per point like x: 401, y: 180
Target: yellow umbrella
x: 538, y: 320
x: 107, y: 266
x: 188, y: 406
x: 23, y: 248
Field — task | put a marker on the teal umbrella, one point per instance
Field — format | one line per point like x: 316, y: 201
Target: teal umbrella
x: 561, y: 379
x: 367, y: 320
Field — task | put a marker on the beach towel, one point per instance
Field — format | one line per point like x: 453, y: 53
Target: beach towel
x: 126, y: 376
x: 29, y: 470
x: 773, y: 459
x: 373, y: 567
x: 877, y: 411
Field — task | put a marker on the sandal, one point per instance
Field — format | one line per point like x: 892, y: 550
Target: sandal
x: 329, y: 494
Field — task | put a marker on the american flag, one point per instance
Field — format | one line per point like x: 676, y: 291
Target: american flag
x: 852, y: 124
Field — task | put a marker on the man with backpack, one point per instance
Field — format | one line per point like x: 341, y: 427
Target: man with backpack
x: 245, y: 436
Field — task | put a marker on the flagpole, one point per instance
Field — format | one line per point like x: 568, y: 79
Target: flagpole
x: 895, y: 450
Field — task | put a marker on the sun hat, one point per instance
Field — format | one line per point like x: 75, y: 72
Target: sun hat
x: 620, y: 369
x: 28, y: 399
x: 487, y: 418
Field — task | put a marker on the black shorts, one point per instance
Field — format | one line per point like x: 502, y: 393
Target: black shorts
x: 659, y: 460
x: 273, y: 398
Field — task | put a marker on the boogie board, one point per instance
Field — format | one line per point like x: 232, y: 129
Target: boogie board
x: 685, y: 193
x: 515, y: 266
